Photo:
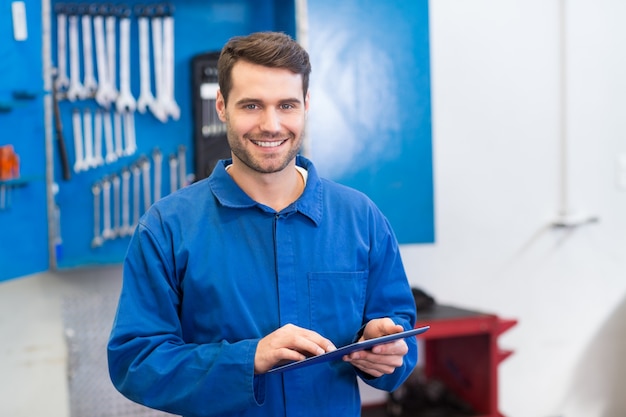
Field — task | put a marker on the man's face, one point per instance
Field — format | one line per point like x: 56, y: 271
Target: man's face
x: 265, y: 116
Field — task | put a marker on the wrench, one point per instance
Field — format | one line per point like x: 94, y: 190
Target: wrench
x: 182, y: 166
x: 145, y: 168
x: 169, y: 103
x: 157, y: 159
x: 146, y: 99
x: 90, y: 161
x: 97, y: 135
x: 110, y: 24
x: 136, y: 171
x: 108, y: 139
x: 75, y: 90
x: 62, y: 81
x: 107, y: 232
x: 102, y: 94
x: 117, y: 228
x: 117, y: 126
x: 97, y: 240
x: 125, y: 101
x: 125, y: 229
x: 79, y: 163
x: 129, y: 134
x: 157, y: 108
x: 173, y: 162
x: 90, y: 85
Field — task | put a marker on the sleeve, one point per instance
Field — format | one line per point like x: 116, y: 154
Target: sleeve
x: 389, y: 295
x: 151, y: 363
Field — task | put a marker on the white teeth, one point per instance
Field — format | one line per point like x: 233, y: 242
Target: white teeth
x: 269, y: 144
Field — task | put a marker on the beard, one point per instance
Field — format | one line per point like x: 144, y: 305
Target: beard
x: 263, y: 163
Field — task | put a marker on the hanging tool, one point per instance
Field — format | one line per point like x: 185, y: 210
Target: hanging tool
x: 136, y: 171
x: 117, y: 227
x: 79, y: 163
x: 90, y: 161
x: 111, y: 48
x: 125, y: 229
x: 146, y: 99
x: 89, y: 80
x: 145, y: 175
x: 108, y: 139
x: 157, y: 160
x: 125, y: 101
x: 129, y: 134
x: 182, y: 166
x: 75, y: 90
x: 117, y: 128
x: 173, y: 163
x: 58, y: 127
x: 97, y: 138
x: 107, y: 231
x: 169, y: 103
x: 97, y: 240
x: 62, y: 82
x: 158, y: 108
x: 103, y: 94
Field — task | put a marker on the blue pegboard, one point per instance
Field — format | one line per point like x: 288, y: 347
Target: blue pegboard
x: 23, y: 221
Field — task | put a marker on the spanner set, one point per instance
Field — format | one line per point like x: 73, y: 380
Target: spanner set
x: 102, y: 26
x: 120, y: 198
x: 93, y: 79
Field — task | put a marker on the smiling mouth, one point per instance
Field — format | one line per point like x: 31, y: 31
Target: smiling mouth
x: 272, y: 144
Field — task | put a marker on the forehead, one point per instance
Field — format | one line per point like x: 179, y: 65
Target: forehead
x: 258, y: 81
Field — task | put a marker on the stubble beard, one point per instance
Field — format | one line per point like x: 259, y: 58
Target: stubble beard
x: 268, y: 164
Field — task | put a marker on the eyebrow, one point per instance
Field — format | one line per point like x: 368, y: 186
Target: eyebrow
x: 246, y: 100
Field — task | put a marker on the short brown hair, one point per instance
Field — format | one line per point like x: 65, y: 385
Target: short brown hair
x: 269, y: 49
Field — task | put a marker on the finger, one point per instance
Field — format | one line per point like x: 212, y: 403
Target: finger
x: 374, y: 368
x: 307, y: 342
x: 309, y: 347
x: 397, y: 347
x: 380, y: 327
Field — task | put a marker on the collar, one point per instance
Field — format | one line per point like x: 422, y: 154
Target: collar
x: 228, y: 193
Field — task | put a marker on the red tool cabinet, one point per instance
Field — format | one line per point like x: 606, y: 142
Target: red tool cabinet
x: 461, y: 349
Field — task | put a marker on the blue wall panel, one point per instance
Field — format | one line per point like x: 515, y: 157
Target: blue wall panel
x: 23, y: 222
x: 370, y: 120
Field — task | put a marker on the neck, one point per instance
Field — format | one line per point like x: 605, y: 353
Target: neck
x: 276, y: 190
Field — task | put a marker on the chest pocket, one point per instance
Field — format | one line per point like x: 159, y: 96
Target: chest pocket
x: 337, y: 303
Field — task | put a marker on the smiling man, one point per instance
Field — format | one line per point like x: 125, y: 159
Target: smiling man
x: 262, y: 263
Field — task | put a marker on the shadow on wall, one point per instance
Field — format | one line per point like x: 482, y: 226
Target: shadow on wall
x: 597, y: 384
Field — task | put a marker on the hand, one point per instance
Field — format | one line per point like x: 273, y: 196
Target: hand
x: 381, y: 359
x: 289, y: 343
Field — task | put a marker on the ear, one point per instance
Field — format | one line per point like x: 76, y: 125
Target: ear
x: 220, y: 106
x: 307, y: 99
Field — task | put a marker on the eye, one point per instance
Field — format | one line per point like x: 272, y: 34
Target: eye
x: 250, y: 106
x: 287, y: 106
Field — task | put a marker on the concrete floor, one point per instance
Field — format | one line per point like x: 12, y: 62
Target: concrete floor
x: 33, y: 350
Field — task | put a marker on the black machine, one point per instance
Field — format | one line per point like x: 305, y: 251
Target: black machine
x: 209, y: 133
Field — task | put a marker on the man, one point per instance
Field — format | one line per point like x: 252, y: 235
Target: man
x: 260, y: 264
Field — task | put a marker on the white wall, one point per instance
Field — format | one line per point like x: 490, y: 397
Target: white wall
x: 496, y: 135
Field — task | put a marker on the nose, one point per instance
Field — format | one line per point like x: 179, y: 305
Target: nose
x: 270, y: 120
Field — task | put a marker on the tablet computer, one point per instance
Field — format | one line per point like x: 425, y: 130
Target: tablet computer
x: 353, y: 347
